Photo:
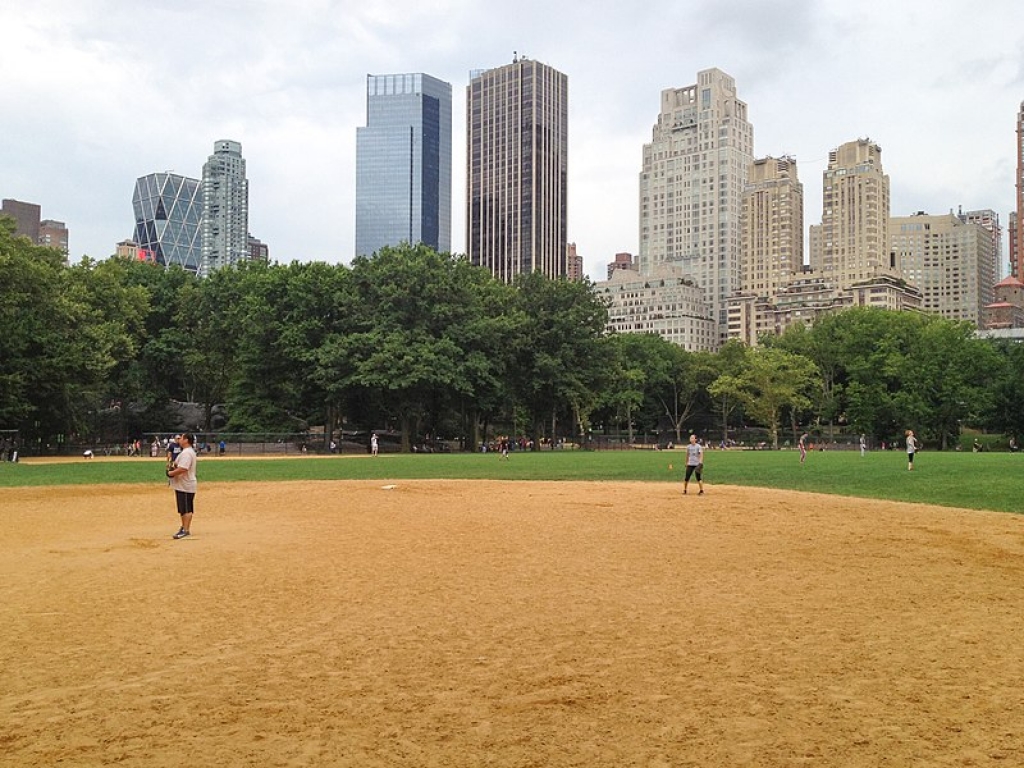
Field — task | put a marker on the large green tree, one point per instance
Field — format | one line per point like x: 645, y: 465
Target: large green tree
x: 426, y: 338
x: 725, y: 390
x: 559, y: 360
x: 283, y: 316
x: 1006, y: 382
x: 65, y: 330
x: 773, y: 380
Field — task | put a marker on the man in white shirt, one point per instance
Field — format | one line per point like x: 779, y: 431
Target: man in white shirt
x: 183, y: 481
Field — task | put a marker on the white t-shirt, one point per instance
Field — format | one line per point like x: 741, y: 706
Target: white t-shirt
x: 187, y: 482
x: 694, y: 454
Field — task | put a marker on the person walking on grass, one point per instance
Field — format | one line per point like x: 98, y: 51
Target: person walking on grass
x: 803, y: 447
x: 183, y: 481
x: 694, y: 464
x: 913, y: 446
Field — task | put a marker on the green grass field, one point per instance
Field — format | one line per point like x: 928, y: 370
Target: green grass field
x: 993, y: 481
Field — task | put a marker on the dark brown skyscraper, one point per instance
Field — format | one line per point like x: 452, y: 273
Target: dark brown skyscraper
x: 517, y: 159
x: 26, y: 218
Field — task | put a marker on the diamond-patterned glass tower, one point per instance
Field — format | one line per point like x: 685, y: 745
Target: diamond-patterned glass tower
x: 169, y: 217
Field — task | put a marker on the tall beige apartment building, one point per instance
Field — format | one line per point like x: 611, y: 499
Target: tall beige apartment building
x: 950, y: 259
x: 691, y: 187
x: 989, y: 221
x: 517, y: 122
x: 772, y: 239
x: 854, y: 243
x: 851, y: 264
x: 771, y: 248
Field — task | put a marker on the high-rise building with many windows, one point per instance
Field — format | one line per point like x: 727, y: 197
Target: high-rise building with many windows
x: 691, y: 187
x: 772, y: 231
x: 1017, y: 220
x: 404, y: 164
x: 952, y: 259
x: 854, y: 243
x: 989, y: 221
x: 168, y: 218
x: 225, y: 224
x: 517, y: 122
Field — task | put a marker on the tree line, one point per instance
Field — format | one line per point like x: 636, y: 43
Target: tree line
x: 431, y: 345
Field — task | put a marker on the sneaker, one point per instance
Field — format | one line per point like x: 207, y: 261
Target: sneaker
x: 181, y: 534
x: 700, y: 493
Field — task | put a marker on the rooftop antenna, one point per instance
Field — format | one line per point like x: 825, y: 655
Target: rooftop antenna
x: 515, y: 56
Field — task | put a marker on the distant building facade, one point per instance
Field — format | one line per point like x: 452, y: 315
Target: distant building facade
x: 225, y: 218
x: 691, y: 187
x: 1007, y: 308
x: 854, y: 243
x: 129, y: 249
x: 1017, y: 220
x: 1012, y: 243
x: 622, y: 261
x: 952, y: 261
x: 404, y: 164
x: 517, y: 122
x: 258, y: 250
x: 989, y: 221
x: 853, y: 263
x: 665, y: 302
x: 168, y: 219
x: 573, y: 263
x: 772, y: 226
x: 26, y: 217
x: 54, y: 234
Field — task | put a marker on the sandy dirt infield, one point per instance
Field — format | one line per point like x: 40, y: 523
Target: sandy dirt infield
x: 444, y: 623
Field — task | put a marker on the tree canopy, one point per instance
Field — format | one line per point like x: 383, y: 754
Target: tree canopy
x: 429, y: 345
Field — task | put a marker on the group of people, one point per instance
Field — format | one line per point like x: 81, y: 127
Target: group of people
x: 181, y: 468
x: 695, y: 456
x: 912, y: 442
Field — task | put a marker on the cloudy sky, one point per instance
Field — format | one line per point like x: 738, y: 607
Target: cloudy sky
x: 99, y: 92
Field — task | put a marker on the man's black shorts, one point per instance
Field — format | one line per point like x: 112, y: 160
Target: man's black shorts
x: 186, y: 502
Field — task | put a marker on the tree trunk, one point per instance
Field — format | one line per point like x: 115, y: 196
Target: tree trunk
x: 471, y: 424
x: 406, y: 444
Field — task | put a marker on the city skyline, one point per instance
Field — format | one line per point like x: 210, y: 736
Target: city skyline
x: 94, y: 105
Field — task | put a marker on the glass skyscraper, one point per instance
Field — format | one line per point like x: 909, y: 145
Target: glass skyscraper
x: 517, y: 123
x: 404, y: 164
x: 225, y: 208
x: 168, y: 218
